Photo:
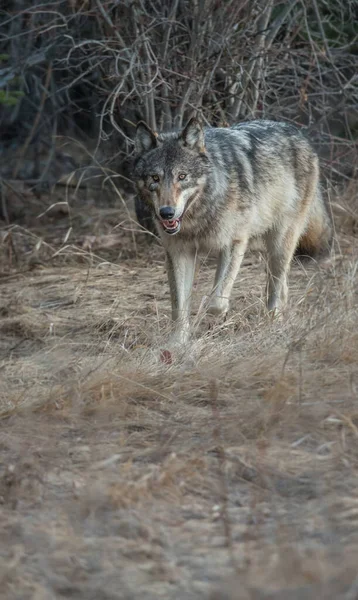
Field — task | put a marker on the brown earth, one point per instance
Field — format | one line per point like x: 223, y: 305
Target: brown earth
x: 230, y: 473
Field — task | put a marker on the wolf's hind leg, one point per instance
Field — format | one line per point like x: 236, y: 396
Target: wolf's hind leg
x: 282, y: 243
x: 280, y: 251
x: 230, y: 259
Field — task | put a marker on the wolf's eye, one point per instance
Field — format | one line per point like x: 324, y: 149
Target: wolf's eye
x: 155, y: 178
x: 181, y: 176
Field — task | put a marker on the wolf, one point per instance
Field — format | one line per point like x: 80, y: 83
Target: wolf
x: 222, y: 189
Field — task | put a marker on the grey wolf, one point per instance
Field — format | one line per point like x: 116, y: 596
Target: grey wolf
x: 222, y: 188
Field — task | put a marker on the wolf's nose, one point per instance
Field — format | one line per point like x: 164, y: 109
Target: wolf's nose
x: 167, y: 212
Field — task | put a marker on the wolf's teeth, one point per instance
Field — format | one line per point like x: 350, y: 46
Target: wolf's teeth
x: 171, y: 225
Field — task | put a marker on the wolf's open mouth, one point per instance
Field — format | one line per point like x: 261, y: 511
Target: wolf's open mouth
x: 171, y: 226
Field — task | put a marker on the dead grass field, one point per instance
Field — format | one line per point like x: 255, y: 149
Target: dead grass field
x: 229, y: 474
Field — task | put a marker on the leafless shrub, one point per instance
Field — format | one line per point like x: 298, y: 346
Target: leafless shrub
x: 99, y: 66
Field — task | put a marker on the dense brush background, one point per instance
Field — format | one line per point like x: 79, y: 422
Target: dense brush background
x: 228, y: 471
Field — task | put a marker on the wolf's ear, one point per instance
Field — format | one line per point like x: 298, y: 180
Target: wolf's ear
x: 193, y: 135
x: 145, y: 139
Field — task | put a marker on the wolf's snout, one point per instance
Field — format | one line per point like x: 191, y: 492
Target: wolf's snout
x: 167, y: 212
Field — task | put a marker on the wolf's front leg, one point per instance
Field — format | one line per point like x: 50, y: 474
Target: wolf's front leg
x: 180, y: 267
x: 230, y: 259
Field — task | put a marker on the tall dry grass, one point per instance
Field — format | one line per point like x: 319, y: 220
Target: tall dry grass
x: 229, y: 473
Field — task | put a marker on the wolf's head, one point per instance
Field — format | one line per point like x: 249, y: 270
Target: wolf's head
x: 171, y: 171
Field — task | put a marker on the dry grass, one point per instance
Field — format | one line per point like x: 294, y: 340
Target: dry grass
x: 229, y: 474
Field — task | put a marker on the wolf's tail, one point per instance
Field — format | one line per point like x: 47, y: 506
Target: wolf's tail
x: 317, y: 239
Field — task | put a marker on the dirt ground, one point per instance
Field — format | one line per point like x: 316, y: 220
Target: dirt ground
x: 226, y: 471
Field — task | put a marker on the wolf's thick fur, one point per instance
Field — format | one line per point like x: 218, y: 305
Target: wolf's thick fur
x: 217, y: 188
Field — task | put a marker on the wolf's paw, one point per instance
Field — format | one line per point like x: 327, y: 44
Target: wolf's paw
x: 179, y: 337
x: 276, y: 314
x: 218, y: 306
